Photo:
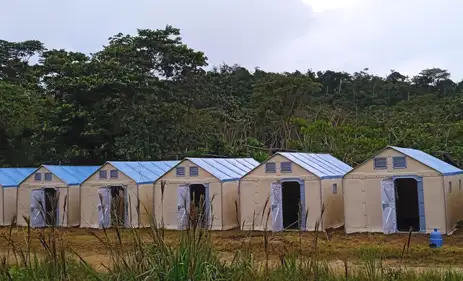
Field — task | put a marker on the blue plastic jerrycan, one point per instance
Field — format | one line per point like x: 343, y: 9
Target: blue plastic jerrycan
x: 435, y: 239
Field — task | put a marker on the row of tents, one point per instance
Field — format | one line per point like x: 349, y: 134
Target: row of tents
x: 396, y: 190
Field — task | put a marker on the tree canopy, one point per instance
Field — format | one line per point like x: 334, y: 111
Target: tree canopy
x: 149, y: 96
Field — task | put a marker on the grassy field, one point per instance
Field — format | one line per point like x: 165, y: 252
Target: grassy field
x: 111, y: 251
x: 333, y: 246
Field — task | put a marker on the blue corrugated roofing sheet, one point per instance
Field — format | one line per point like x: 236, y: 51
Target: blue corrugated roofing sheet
x: 144, y: 171
x: 226, y: 169
x: 11, y: 177
x: 325, y: 166
x: 435, y: 163
x: 72, y: 175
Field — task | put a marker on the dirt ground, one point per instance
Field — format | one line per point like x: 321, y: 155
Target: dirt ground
x: 334, y: 246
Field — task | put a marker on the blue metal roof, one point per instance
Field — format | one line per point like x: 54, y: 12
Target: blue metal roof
x: 324, y: 166
x: 435, y: 163
x: 144, y: 171
x: 72, y: 175
x: 11, y: 177
x: 226, y: 169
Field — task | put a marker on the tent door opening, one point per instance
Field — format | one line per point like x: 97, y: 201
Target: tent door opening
x: 51, y: 206
x: 44, y: 207
x: 291, y: 204
x: 118, y: 205
x: 407, y: 204
x: 198, y: 205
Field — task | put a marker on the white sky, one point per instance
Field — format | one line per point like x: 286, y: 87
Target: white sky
x: 275, y: 35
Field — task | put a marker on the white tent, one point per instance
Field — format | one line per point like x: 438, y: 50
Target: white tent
x: 289, y: 190
x: 399, y: 188
x: 216, y: 180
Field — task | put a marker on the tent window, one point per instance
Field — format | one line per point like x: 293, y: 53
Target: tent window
x: 285, y: 167
x: 335, y: 188
x: 180, y: 171
x: 114, y: 174
x: 103, y: 174
x: 38, y: 176
x: 450, y: 186
x: 270, y: 167
x: 380, y: 163
x: 48, y: 176
x: 399, y: 162
x: 193, y: 171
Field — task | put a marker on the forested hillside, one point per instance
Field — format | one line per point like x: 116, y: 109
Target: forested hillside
x: 149, y: 96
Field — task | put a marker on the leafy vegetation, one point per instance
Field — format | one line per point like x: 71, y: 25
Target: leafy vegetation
x: 149, y: 96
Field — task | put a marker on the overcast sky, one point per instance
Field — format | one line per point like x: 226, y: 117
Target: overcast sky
x: 275, y: 35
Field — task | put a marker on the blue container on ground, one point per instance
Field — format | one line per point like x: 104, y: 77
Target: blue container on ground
x: 435, y: 239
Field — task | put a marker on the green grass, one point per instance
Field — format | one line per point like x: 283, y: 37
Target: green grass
x: 194, y: 257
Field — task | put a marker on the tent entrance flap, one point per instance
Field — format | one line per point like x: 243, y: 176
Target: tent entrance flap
x: 276, y: 206
x: 104, y: 205
x: 291, y: 203
x: 198, y: 205
x: 388, y: 206
x: 407, y: 204
x: 183, y: 206
x: 37, y: 211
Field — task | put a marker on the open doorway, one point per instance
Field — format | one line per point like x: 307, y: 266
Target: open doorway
x: 407, y: 206
x: 198, y: 205
x: 117, y: 205
x: 291, y: 204
x: 51, y: 206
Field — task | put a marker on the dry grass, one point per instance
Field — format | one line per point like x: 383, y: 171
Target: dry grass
x: 339, y: 246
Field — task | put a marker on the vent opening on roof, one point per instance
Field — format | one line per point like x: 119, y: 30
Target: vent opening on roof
x: 380, y: 163
x: 180, y: 171
x: 399, y: 162
x: 270, y: 167
x: 285, y: 167
x: 103, y: 174
x: 114, y: 174
x: 194, y: 171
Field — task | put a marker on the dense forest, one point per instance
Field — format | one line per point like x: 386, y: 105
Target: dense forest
x: 149, y: 96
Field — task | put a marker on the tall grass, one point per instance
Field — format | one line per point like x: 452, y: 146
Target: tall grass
x: 137, y: 257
